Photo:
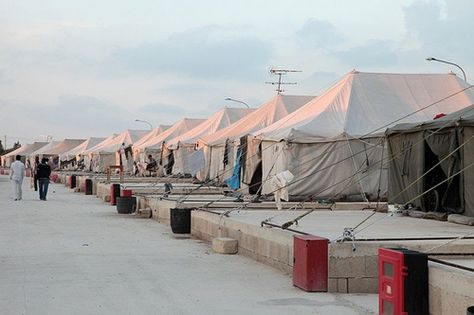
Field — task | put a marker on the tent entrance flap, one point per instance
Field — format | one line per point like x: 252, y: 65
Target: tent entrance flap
x: 446, y: 197
x: 256, y: 182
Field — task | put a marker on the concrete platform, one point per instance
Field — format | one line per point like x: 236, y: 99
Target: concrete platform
x: 353, y: 266
x: 161, y: 205
x: 74, y: 254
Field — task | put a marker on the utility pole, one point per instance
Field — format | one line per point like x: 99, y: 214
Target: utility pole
x: 279, y: 83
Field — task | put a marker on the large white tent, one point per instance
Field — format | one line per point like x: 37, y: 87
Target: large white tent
x: 88, y: 154
x: 220, y: 148
x: 154, y: 145
x: 54, y: 149
x: 333, y: 145
x: 184, y: 146
x: 148, y: 137
x: 24, y: 151
x: 115, y: 150
x: 75, y: 153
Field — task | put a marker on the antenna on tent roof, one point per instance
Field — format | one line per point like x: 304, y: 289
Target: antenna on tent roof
x: 279, y: 83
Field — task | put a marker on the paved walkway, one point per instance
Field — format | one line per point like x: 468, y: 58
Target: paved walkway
x: 74, y: 254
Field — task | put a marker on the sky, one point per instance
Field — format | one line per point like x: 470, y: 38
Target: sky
x: 75, y: 69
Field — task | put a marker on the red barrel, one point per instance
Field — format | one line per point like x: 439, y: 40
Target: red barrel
x: 126, y: 193
x: 114, y: 193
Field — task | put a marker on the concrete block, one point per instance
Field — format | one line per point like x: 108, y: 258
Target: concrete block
x: 224, y: 245
x: 362, y: 285
x: 371, y: 266
x: 332, y: 285
x: 342, y: 285
x: 348, y: 267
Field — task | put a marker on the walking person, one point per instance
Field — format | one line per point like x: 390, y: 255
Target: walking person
x: 34, y: 174
x: 43, y: 173
x: 17, y: 173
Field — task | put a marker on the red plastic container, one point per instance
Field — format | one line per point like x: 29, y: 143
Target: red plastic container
x: 310, y: 263
x: 126, y: 193
x: 114, y: 193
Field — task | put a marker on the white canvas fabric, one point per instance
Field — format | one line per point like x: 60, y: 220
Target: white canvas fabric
x: 363, y: 104
x: 108, y: 152
x: 126, y: 137
x: 333, y: 144
x: 186, y: 144
x: 155, y: 144
x: 54, y: 149
x: 218, y: 121
x: 88, y: 154
x: 152, y: 134
x: 25, y: 150
x: 270, y: 112
x: 81, y: 148
x: 174, y: 131
x: 64, y: 146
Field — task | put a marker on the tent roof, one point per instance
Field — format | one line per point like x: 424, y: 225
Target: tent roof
x: 363, y: 104
x: 26, y: 149
x: 100, y: 144
x: 44, y: 149
x: 462, y: 117
x: 128, y: 137
x: 84, y: 146
x: 63, y: 146
x: 273, y: 110
x: 152, y: 134
x: 216, y: 122
x: 177, y: 129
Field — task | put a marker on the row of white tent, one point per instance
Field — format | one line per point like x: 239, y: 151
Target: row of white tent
x: 332, y: 144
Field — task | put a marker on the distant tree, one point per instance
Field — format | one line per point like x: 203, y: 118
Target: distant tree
x: 16, y: 145
x: 1, y: 148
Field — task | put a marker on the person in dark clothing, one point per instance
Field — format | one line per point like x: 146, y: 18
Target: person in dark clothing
x: 43, y: 173
x: 34, y: 171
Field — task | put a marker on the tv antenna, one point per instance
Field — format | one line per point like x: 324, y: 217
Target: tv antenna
x: 279, y: 83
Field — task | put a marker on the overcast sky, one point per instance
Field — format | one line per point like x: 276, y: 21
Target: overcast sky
x: 90, y: 68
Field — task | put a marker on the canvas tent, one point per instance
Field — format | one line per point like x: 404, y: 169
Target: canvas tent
x: 424, y: 161
x: 184, y: 146
x: 115, y: 151
x: 333, y: 145
x: 54, y: 149
x: 41, y: 152
x: 88, y: 155
x: 221, y: 148
x: 24, y: 151
x: 73, y: 156
x: 154, y: 145
x: 148, y: 137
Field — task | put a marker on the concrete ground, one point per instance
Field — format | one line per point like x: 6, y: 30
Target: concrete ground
x: 74, y: 254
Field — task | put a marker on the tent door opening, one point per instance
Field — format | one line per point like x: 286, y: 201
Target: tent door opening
x: 445, y: 197
x: 255, y: 186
